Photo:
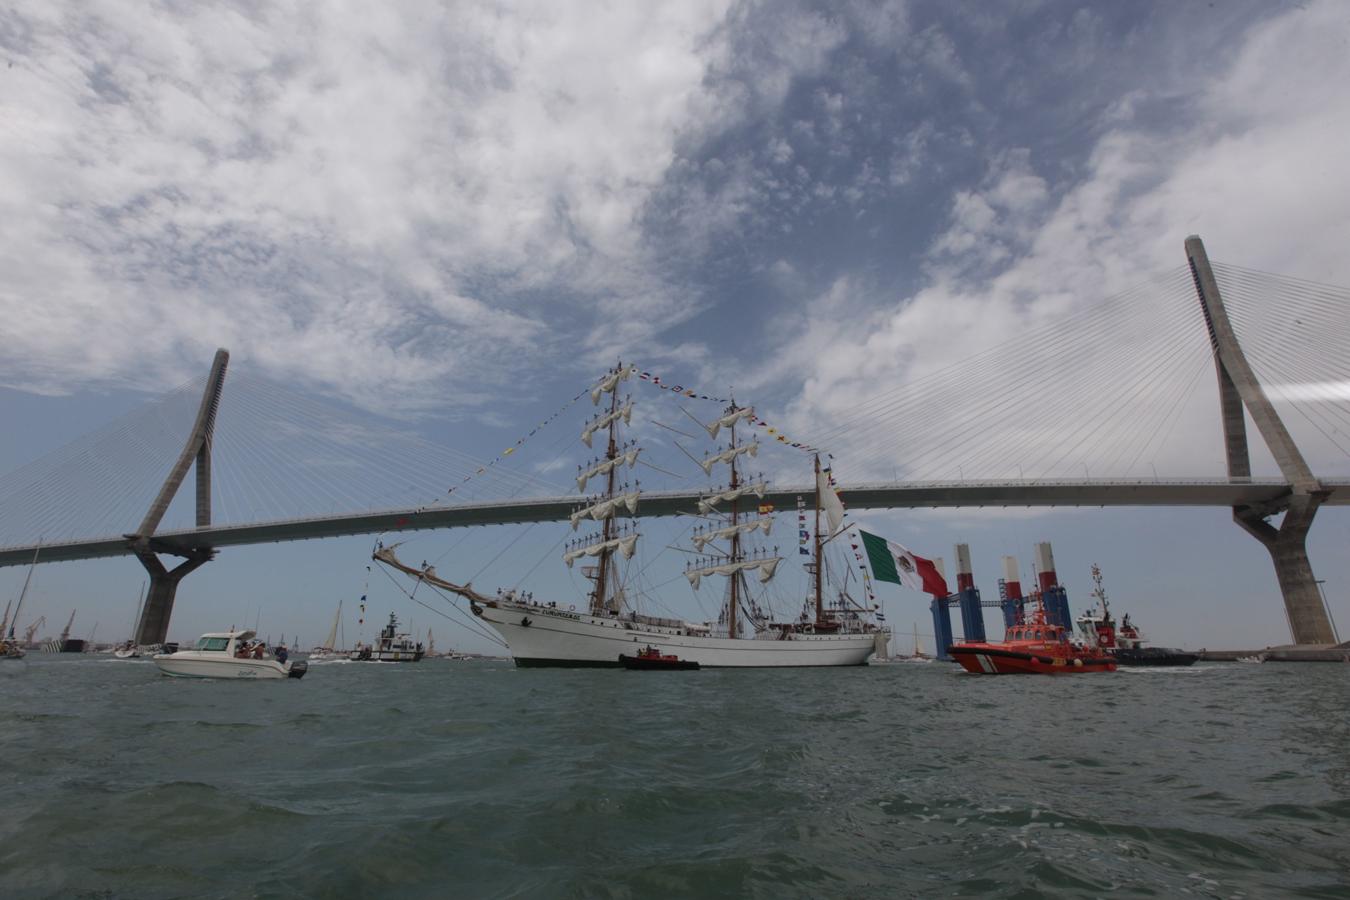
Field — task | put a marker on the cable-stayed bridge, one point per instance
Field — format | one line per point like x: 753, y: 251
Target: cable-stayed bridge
x: 1116, y: 386
x: 1258, y: 492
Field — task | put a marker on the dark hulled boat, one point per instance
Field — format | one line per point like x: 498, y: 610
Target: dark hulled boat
x: 649, y: 658
x: 1126, y: 644
x: 1155, y: 656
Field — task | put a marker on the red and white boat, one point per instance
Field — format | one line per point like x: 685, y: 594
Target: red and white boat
x: 1031, y: 648
x: 653, y: 659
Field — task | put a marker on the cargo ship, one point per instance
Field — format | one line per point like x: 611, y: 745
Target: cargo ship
x: 65, y: 643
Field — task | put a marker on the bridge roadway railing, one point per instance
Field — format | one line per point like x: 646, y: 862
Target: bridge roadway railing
x: 902, y: 495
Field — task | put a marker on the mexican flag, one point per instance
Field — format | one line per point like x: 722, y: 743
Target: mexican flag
x: 895, y: 563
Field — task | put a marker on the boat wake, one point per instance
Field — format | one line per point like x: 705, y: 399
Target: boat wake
x: 1172, y: 670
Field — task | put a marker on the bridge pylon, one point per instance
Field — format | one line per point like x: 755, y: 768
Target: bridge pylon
x: 1240, y: 389
x: 153, y: 627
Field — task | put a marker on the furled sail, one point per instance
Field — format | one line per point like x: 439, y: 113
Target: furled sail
x: 830, y: 503
x: 606, y: 508
x: 766, y: 568
x: 611, y: 381
x: 728, y: 420
x: 625, y: 545
x: 708, y: 505
x: 763, y: 524
x: 628, y: 459
x: 728, y: 455
x: 625, y: 412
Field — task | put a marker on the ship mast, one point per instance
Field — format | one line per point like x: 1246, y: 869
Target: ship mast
x: 606, y: 533
x: 734, y: 562
x: 606, y: 594
x: 735, y: 580
x: 24, y: 593
x: 820, y: 612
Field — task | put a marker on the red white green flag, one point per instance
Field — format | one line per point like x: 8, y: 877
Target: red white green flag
x: 899, y: 565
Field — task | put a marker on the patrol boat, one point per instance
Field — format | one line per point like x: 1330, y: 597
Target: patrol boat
x: 1034, y: 647
x: 392, y: 646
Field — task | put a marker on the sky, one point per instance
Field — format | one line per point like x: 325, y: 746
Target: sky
x: 453, y: 217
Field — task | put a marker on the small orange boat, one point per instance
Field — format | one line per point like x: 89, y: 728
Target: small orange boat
x: 1031, y: 648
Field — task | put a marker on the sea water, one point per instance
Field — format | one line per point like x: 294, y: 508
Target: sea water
x: 475, y: 779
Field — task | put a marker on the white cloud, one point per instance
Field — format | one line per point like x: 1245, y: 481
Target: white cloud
x: 1255, y: 167
x: 359, y: 196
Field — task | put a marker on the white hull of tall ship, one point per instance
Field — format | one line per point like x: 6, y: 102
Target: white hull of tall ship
x: 545, y: 636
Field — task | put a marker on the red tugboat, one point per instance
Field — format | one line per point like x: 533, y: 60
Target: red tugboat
x: 1031, y: 648
x: 651, y: 658
x: 1126, y: 644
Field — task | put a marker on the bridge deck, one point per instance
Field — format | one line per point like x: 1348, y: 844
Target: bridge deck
x: 552, y: 509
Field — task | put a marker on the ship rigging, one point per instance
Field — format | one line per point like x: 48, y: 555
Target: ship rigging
x: 610, y: 626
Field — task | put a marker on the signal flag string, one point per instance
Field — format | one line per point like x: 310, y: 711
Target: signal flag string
x: 519, y: 442
x: 692, y: 394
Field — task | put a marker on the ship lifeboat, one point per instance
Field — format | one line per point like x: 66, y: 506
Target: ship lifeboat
x: 1031, y: 648
x: 651, y: 658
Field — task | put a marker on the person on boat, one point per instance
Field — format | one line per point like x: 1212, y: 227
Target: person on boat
x: 241, y: 652
x: 281, y: 654
x: 258, y: 650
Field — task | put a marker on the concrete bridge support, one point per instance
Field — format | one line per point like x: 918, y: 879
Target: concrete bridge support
x: 153, y: 627
x: 1240, y: 390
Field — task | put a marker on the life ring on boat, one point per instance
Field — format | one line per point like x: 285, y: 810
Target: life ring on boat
x: 1077, y: 662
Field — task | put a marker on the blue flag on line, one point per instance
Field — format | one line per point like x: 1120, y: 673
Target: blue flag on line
x: 803, y: 551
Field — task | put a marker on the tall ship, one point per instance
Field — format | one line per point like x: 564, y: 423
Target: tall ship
x: 745, y: 633
x: 391, y: 646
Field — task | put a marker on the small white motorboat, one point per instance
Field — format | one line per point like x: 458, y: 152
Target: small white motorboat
x: 1257, y: 659
x: 220, y: 655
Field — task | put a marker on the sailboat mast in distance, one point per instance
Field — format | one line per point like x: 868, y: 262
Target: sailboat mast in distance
x: 24, y: 593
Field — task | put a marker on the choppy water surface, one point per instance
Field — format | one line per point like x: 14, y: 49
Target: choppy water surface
x: 477, y: 779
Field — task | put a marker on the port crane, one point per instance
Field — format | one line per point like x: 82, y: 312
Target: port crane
x: 32, y: 630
